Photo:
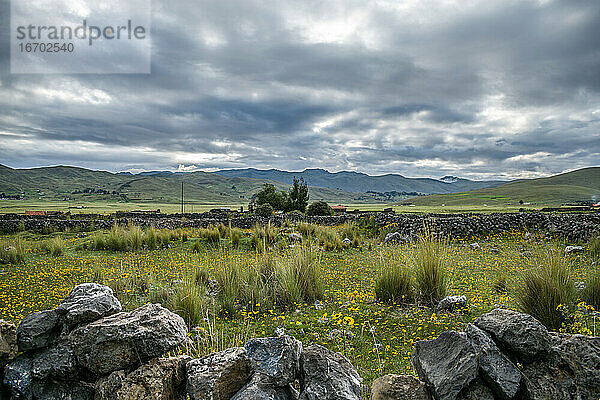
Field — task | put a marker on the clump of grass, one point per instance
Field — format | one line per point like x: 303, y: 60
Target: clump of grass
x: 235, y: 235
x: 188, y: 299
x: 131, y: 238
x: 54, y: 246
x: 263, y: 236
x: 595, y: 247
x: 300, y: 277
x: 306, y: 229
x: 548, y: 291
x: 428, y: 263
x: 328, y: 238
x: 210, y: 234
x: 394, y: 283
x: 12, y: 252
x: 500, y: 284
x: 591, y: 292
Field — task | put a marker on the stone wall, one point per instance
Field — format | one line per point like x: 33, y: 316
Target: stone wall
x: 573, y: 226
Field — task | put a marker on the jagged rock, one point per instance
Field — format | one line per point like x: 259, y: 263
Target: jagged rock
x: 347, y: 242
x: 476, y: 390
x: 500, y: 374
x: 446, y: 364
x: 8, y: 342
x: 276, y: 357
x: 125, y: 340
x: 520, y: 334
x: 55, y: 362
x: 571, y: 370
x: 325, y: 375
x: 573, y: 249
x: 218, y: 376
x: 88, y: 302
x: 451, y: 303
x: 38, y: 330
x: 61, y: 390
x: 395, y: 237
x: 17, y: 377
x: 474, y: 246
x: 262, y: 387
x: 399, y: 387
x: 296, y: 237
x: 159, y: 379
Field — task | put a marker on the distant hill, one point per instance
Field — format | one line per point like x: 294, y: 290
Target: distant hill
x: 571, y: 187
x: 57, y: 183
x: 362, y: 183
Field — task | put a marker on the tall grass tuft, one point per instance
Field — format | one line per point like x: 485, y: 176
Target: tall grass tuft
x: 12, y: 252
x: 548, y: 290
x: 394, y: 283
x: 428, y: 261
x: 300, y: 276
x: 188, y: 299
x: 595, y: 247
x: 54, y: 246
x: 591, y: 292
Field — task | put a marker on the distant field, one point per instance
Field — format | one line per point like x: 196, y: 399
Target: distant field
x: 103, y: 207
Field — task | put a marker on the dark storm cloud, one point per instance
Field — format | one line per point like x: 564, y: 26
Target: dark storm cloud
x: 426, y: 88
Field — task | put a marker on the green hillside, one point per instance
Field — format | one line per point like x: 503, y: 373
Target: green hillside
x: 567, y: 188
x: 80, y: 184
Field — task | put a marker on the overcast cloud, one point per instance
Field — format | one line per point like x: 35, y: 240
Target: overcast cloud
x: 480, y: 89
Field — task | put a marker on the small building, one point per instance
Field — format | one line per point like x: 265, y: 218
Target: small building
x: 337, y: 210
x: 32, y: 212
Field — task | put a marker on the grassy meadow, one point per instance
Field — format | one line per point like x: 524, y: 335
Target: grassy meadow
x: 339, y: 287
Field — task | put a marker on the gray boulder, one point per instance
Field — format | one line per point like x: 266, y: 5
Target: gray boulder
x: 55, y: 362
x: 262, y: 387
x: 395, y: 237
x: 451, y: 303
x: 218, y: 376
x: 159, y: 379
x: 62, y: 390
x: 476, y: 390
x: 325, y: 375
x: 8, y: 342
x: 38, y: 330
x: 276, y: 357
x: 447, y: 364
x: 573, y: 249
x: 571, y: 370
x: 88, y: 302
x: 125, y: 340
x: 523, y: 336
x: 399, y: 387
x: 501, y: 375
x: 17, y: 377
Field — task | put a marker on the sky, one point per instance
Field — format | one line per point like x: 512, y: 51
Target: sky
x: 477, y: 89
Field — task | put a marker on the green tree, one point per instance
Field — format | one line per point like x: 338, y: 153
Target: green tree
x: 298, y: 196
x: 269, y: 195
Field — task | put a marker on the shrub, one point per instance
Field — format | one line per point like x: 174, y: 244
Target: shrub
x: 12, y: 252
x: 264, y: 210
x: 591, y: 292
x: 429, y: 266
x: 394, y: 283
x: 548, y: 290
x: 319, y: 208
x: 55, y: 246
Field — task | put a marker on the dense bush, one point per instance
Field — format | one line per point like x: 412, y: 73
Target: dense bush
x: 264, y: 210
x: 319, y: 208
x: 548, y: 291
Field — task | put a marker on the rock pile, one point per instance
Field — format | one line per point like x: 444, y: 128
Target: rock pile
x: 503, y: 355
x: 87, y: 347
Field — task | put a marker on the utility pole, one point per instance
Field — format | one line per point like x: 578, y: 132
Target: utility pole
x: 182, y: 197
